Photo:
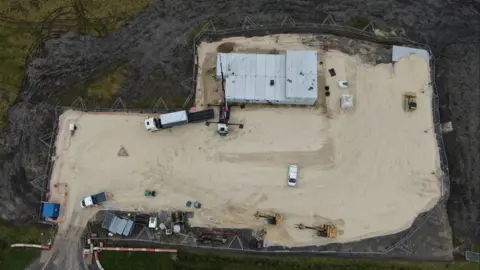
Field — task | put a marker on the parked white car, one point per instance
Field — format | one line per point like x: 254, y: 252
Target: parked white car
x: 292, y: 175
x: 343, y: 84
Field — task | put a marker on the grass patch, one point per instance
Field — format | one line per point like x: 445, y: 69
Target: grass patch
x: 20, y: 258
x: 105, y: 87
x: 16, y: 37
x: 200, y: 260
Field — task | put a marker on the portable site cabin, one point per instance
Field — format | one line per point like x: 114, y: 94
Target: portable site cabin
x: 289, y: 78
x: 50, y: 210
x: 117, y: 225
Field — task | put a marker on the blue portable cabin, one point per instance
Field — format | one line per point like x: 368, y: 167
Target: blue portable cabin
x: 50, y: 210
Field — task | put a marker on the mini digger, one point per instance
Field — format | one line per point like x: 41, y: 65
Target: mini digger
x: 410, y: 101
x: 272, y: 218
x: 324, y: 230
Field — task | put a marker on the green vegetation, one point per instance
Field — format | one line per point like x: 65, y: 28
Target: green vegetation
x: 21, y: 26
x: 200, y: 260
x: 358, y: 22
x: 475, y: 247
x: 19, y: 258
x: 105, y: 87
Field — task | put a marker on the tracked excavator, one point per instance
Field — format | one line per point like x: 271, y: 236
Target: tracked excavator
x: 324, y: 230
x: 272, y: 218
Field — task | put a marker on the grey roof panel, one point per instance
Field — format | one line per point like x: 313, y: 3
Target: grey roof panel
x: 251, y: 66
x: 240, y: 87
x: 270, y: 88
x: 280, y: 89
x: 261, y: 65
x: 250, y: 84
x: 270, y: 65
x: 230, y: 88
x: 260, y: 90
x: 107, y: 221
x: 399, y: 52
x: 121, y: 226
x: 113, y: 226
x: 249, y: 77
x: 128, y: 228
x: 301, y: 71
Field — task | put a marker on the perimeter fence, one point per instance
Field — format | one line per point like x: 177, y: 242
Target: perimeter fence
x: 286, y: 26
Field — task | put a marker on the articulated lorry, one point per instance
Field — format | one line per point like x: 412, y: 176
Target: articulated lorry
x: 172, y: 119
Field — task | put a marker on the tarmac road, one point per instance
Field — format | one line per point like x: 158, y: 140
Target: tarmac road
x: 66, y: 252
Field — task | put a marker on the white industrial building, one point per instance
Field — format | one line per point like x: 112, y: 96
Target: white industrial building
x: 289, y: 78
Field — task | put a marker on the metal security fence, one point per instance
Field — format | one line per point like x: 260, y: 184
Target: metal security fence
x: 249, y: 28
x: 42, y: 182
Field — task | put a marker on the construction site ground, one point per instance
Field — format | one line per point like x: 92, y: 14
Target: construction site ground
x: 74, y: 219
x: 369, y: 183
x: 50, y: 77
x: 369, y: 143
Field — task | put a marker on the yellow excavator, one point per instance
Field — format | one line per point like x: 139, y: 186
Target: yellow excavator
x: 324, y: 230
x: 410, y: 101
x: 272, y: 218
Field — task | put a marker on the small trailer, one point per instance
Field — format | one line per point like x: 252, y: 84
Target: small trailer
x: 95, y: 199
x: 178, y: 118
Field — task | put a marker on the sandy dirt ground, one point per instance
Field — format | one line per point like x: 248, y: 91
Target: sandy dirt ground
x: 371, y: 178
x: 370, y: 169
x: 378, y: 157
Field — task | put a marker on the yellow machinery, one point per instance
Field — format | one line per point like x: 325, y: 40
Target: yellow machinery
x: 272, y: 218
x: 410, y: 101
x: 324, y: 230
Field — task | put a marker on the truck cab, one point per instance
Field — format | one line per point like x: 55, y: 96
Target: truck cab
x: 87, y: 202
x: 222, y: 129
x: 292, y: 175
x: 94, y: 200
x: 152, y: 124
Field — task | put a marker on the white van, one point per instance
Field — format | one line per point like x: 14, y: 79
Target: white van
x: 292, y: 175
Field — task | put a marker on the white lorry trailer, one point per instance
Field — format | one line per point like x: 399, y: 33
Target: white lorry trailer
x: 172, y: 119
